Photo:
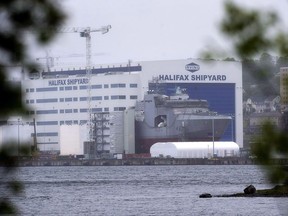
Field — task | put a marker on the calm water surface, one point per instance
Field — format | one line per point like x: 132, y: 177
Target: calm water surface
x: 144, y: 190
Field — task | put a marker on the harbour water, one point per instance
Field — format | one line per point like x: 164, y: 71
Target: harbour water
x: 144, y: 190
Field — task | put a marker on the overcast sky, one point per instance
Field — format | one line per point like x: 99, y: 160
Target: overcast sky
x: 146, y: 29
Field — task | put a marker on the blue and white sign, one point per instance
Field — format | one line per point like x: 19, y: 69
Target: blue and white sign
x: 192, y: 67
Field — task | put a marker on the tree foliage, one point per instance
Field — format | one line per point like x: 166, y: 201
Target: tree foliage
x: 250, y: 31
x: 273, y: 144
x: 259, y: 79
x: 22, y: 22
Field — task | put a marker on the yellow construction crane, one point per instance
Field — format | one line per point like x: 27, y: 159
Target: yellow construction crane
x: 85, y: 32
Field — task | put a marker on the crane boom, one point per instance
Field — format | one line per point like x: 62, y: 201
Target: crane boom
x: 85, y: 32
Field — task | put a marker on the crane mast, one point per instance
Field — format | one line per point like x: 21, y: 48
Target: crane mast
x: 85, y: 32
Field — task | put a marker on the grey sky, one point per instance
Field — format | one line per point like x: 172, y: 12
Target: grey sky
x: 146, y: 29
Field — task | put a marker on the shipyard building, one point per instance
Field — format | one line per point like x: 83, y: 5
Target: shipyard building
x: 63, y: 102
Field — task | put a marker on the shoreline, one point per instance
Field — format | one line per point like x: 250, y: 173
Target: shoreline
x: 277, y: 191
x: 26, y: 162
x: 134, y: 162
x: 34, y: 161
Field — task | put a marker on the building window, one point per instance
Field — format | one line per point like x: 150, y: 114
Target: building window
x: 75, y: 99
x: 97, y: 98
x: 106, y: 97
x: 96, y: 86
x: 68, y: 110
x: 46, y: 134
x: 83, y: 110
x: 68, y: 88
x: 83, y: 87
x: 133, y: 85
x: 68, y: 99
x: 82, y: 122
x: 48, y: 100
x: 75, y: 87
x: 46, y: 112
x: 119, y: 108
x: 116, y: 97
x: 75, y: 110
x: 96, y: 109
x: 46, y: 89
x: 47, y: 123
x: 133, y: 97
x: 106, y: 109
x: 68, y: 122
x: 61, y: 110
x: 31, y: 89
x: 83, y: 98
x: 118, y: 85
x: 61, y: 88
x: 106, y: 86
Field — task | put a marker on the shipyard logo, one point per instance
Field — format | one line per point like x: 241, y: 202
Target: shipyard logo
x: 192, y: 67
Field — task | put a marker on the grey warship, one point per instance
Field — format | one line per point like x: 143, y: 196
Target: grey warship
x: 161, y: 118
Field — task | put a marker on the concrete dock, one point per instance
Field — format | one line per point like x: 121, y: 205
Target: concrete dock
x: 136, y: 162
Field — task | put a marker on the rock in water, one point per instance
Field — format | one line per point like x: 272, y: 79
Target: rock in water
x: 250, y: 189
x: 205, y: 195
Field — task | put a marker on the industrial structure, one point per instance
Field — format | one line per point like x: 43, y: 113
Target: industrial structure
x: 59, y: 98
x: 86, y: 33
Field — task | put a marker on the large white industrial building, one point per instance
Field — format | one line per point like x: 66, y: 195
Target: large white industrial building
x: 61, y: 98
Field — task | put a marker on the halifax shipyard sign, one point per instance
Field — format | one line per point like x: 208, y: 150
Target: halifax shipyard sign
x: 192, y: 67
x: 68, y: 82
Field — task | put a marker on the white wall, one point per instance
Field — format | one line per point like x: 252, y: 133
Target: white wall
x: 71, y: 139
x: 129, y: 131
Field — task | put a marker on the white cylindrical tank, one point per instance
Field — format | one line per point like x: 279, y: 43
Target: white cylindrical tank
x: 194, y: 149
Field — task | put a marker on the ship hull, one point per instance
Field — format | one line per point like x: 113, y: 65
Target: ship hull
x: 206, y: 129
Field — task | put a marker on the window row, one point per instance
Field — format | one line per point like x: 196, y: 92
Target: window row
x: 67, y: 122
x: 63, y: 111
x: 75, y: 99
x: 49, y: 123
x: 45, y: 134
x: 81, y: 87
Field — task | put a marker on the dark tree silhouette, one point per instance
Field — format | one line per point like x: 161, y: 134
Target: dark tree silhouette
x: 21, y: 22
x: 249, y: 29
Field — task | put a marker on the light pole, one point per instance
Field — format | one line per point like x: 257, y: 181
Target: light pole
x: 18, y: 138
x: 213, y: 136
x: 232, y: 128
